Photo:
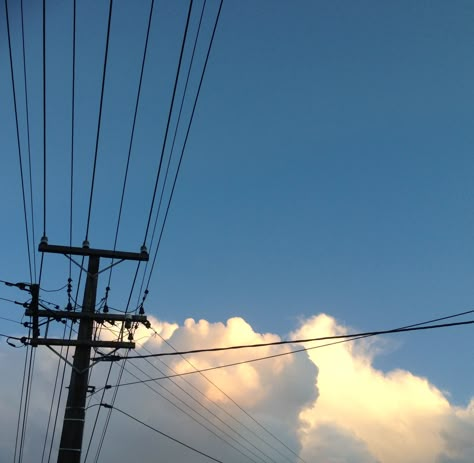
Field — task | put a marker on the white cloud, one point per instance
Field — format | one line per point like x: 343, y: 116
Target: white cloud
x: 398, y: 416
x: 330, y: 404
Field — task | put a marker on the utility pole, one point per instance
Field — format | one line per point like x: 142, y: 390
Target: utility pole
x: 75, y: 413
x: 74, y: 417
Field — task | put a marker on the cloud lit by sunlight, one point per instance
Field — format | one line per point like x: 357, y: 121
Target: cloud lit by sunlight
x: 394, y: 416
x: 329, y: 404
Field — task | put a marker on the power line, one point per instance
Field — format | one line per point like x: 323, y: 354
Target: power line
x: 44, y: 119
x: 10, y: 300
x: 156, y: 183
x: 73, y: 113
x: 198, y: 413
x: 230, y: 399
x: 44, y: 237
x: 243, y: 362
x: 10, y: 320
x: 104, y: 70
x: 97, y: 417
x: 21, y: 403
x: 195, y: 411
x: 162, y: 433
x: 208, y: 410
x: 25, y: 81
x: 195, y: 419
x: 173, y: 144
x: 26, y: 409
x: 345, y: 339
x: 76, y: 305
x: 137, y: 102
x: 150, y: 214
x: 18, y: 140
x: 165, y: 138
x: 52, y: 402
x: 303, y: 349
x: 185, y: 140
x: 107, y: 420
x: 54, y: 290
x: 59, y: 397
x: 109, y: 414
x: 302, y: 341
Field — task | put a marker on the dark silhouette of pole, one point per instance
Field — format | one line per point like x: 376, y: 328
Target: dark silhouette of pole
x: 74, y: 415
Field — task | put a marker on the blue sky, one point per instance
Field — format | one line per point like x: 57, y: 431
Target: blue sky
x: 328, y: 169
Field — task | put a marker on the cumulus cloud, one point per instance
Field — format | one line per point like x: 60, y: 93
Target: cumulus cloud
x: 396, y: 416
x: 273, y: 392
x: 330, y: 405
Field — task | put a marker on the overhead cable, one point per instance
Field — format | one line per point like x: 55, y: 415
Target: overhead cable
x: 27, y: 110
x: 170, y: 112
x: 162, y: 433
x: 54, y: 290
x: 104, y: 72
x: 302, y: 341
x: 20, y: 408
x: 253, y: 432
x: 185, y: 141
x: 73, y: 115
x: 50, y: 415
x: 26, y: 409
x: 44, y: 119
x: 148, y: 223
x: 10, y: 320
x: 214, y: 433
x: 18, y: 140
x: 132, y: 134
x: 200, y: 414
x: 281, y: 354
x: 183, y: 97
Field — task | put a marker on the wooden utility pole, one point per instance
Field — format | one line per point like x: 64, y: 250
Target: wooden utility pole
x: 74, y: 416
x: 75, y: 413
